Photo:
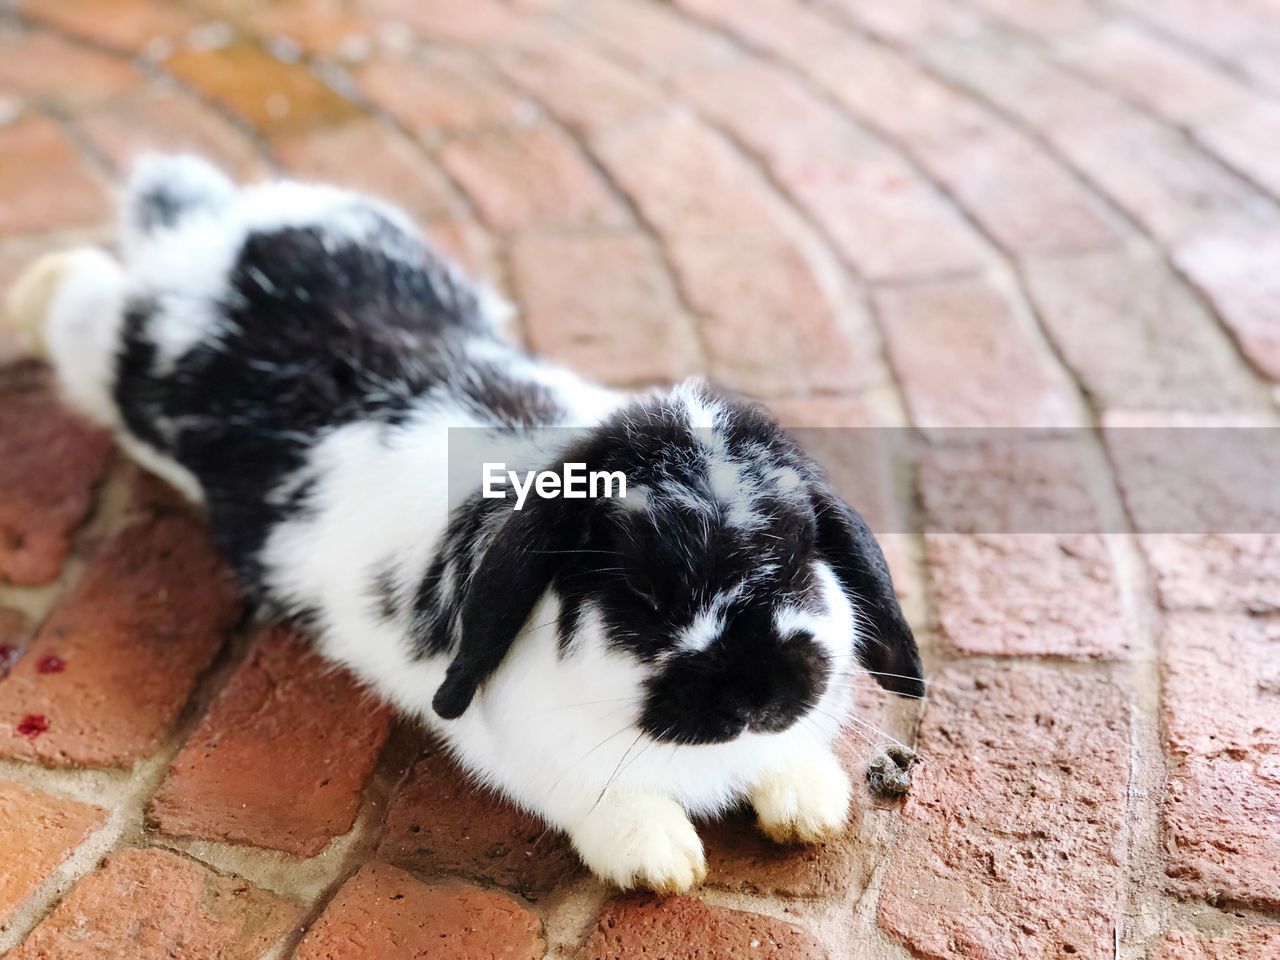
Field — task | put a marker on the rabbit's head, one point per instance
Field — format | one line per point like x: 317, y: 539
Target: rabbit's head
x: 730, y: 572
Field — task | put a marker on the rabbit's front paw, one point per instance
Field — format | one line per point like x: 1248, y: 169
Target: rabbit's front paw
x: 641, y: 840
x: 806, y: 801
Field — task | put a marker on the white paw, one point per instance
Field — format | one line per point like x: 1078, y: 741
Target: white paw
x: 26, y: 305
x: 805, y: 802
x: 641, y: 840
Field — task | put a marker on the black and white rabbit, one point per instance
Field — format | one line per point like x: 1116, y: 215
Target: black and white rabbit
x: 294, y: 357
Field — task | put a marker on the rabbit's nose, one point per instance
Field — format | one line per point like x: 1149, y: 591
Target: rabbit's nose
x: 799, y: 678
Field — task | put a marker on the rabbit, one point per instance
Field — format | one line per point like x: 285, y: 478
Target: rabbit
x: 294, y: 357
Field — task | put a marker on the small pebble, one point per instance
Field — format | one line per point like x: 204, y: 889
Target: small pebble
x: 889, y: 771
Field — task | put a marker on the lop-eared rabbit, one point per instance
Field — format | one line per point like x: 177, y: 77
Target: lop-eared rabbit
x: 294, y: 357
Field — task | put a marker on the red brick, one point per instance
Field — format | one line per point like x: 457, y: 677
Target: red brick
x: 641, y: 927
x: 1045, y: 18
x: 369, y: 157
x: 51, y: 462
x: 603, y: 304
x: 1234, y: 32
x: 1018, y: 79
x: 786, y: 28
x: 1224, y: 571
x: 849, y: 440
x: 128, y: 25
x: 531, y: 178
x: 467, y: 243
x: 1165, y: 183
x: 1237, y: 274
x: 1221, y: 692
x: 883, y: 89
x: 651, y: 37
x: 1156, y: 74
x: 768, y: 326
x: 1020, y: 193
x: 439, y: 823
x: 1260, y: 65
x: 842, y: 414
x: 907, y: 22
x: 1196, y: 473
x: 273, y: 96
x: 1246, y: 36
x: 582, y: 88
x: 1222, y: 829
x: 326, y: 27
x: 768, y: 323
x: 151, y: 496
x: 37, y: 832
x: 384, y: 914
x: 1192, y: 485
x: 41, y: 66
x: 1221, y: 676
x: 1248, y: 140
x: 1135, y: 336
x: 1014, y: 829
x: 45, y: 182
x: 1016, y: 565
x: 686, y: 181
x: 1248, y: 943
x: 143, y: 622
x: 475, y: 22
x: 153, y: 905
x: 438, y: 94
x: 966, y: 360
x: 264, y: 767
x: 885, y: 220
x: 165, y: 121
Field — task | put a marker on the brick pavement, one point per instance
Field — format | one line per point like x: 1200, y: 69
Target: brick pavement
x: 926, y: 213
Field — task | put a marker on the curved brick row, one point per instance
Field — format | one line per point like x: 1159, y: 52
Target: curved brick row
x: 385, y: 914
x: 636, y: 928
x: 768, y: 325
x: 105, y: 678
x: 47, y: 183
x: 153, y: 905
x: 882, y: 217
x: 37, y: 832
x: 1004, y: 580
x: 50, y: 463
x: 1244, y: 945
x: 1222, y: 720
x: 286, y: 718
x: 439, y: 824
x: 1014, y: 834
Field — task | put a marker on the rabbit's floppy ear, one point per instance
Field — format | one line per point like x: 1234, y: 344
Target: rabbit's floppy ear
x: 888, y: 650
x: 516, y: 570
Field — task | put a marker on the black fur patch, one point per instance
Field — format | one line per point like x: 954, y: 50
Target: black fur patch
x: 159, y: 207
x: 385, y: 594
x: 315, y: 332
x: 140, y: 396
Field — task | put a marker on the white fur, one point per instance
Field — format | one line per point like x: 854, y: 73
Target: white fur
x: 554, y: 731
